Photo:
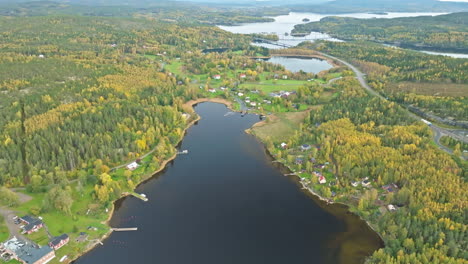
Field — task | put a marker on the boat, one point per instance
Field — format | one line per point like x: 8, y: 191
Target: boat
x: 305, y: 20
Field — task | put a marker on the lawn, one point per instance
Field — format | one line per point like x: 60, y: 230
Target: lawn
x: 279, y: 126
x: 3, y: 229
x: 175, y: 67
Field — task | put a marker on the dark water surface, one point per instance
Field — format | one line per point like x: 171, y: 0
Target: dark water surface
x: 226, y: 203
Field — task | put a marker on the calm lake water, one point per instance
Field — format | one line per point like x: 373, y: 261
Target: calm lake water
x: 225, y: 202
x: 296, y: 64
x: 285, y: 23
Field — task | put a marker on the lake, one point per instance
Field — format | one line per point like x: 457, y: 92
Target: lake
x: 285, y: 23
x: 296, y: 64
x: 226, y: 202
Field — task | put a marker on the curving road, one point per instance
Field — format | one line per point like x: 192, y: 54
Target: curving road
x: 438, y: 131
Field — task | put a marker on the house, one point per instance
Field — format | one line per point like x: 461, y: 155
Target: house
x: 391, y: 208
x: 217, y: 77
x: 82, y: 237
x: 285, y: 77
x: 390, y: 187
x: 31, y: 224
x: 305, y: 147
x: 313, y: 160
x: 28, y: 253
x: 322, y: 179
x: 212, y: 90
x: 222, y: 88
x: 41, y: 56
x: 299, y: 161
x: 354, y: 183
x: 59, y: 241
x: 253, y: 103
x: 132, y: 166
x: 247, y: 101
x: 366, y: 183
x: 240, y: 94
x: 242, y: 75
x: 284, y: 145
x: 319, y: 166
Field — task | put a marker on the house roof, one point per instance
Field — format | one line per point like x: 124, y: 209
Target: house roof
x: 56, y: 240
x: 29, y: 219
x: 28, y: 252
x: 32, y: 225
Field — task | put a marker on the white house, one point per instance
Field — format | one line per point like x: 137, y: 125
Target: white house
x: 132, y: 166
x: 322, y: 179
x: 391, y: 207
x: 284, y: 145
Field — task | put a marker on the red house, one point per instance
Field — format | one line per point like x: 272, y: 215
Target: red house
x: 59, y: 241
x: 31, y: 224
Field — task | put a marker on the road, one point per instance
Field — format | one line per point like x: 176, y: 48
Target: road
x: 438, y: 131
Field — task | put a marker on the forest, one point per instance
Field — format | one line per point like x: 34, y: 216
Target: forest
x: 83, y: 95
x: 443, y: 32
x: 367, y: 140
x: 167, y: 11
x: 428, y: 82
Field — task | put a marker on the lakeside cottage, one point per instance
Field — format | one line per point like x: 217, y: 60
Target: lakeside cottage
x: 27, y: 253
x: 217, y: 77
x: 132, y: 166
x: 283, y: 145
x: 243, y: 75
x: 59, y: 241
x: 322, y: 179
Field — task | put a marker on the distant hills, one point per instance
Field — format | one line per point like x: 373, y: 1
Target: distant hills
x: 347, y: 6
x: 317, y: 6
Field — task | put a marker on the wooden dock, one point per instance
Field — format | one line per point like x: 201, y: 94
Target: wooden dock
x: 139, y: 196
x: 123, y: 229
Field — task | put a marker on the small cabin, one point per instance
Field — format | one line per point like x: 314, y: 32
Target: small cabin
x: 132, y: 166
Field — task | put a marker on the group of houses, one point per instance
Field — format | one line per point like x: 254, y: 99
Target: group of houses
x: 282, y: 94
x: 27, y: 252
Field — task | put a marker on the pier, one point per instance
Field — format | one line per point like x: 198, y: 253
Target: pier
x: 183, y: 152
x: 139, y: 196
x: 123, y: 229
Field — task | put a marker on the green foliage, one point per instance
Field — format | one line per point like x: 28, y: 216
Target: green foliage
x: 440, y: 32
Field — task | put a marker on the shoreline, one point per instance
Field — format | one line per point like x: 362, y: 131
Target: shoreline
x: 190, y: 104
x: 310, y: 56
x: 307, y: 188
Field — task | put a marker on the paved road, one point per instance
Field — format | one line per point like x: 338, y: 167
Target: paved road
x: 437, y: 131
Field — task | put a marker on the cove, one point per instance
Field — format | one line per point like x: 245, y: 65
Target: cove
x: 225, y: 202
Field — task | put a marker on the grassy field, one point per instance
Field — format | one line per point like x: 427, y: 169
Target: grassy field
x: 3, y: 229
x: 433, y: 89
x: 174, y: 67
x: 279, y: 126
